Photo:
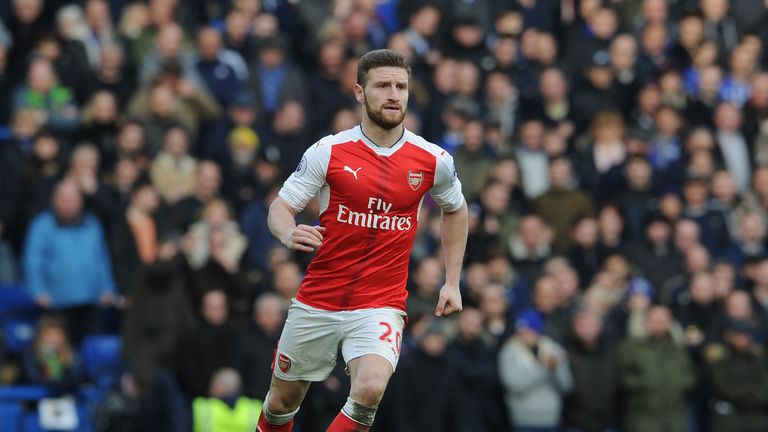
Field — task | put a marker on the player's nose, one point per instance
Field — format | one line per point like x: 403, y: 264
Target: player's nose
x: 393, y: 94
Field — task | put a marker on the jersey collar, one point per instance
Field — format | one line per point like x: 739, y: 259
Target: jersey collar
x: 384, y: 151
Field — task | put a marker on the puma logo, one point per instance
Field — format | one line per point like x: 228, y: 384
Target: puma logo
x: 354, y: 172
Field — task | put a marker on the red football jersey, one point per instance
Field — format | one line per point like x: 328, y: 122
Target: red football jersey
x: 369, y: 198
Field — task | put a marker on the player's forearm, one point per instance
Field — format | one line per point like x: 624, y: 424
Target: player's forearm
x: 281, y: 219
x: 453, y: 233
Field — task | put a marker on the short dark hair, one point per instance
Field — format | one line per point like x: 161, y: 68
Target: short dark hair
x: 380, y: 58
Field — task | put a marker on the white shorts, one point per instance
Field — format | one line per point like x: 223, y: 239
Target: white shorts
x: 312, y: 337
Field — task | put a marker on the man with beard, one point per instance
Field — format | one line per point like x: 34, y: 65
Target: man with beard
x: 370, y: 181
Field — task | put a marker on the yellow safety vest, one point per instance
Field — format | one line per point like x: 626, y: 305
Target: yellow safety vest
x: 214, y: 415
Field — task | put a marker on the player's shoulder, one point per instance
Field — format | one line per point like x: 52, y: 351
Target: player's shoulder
x: 328, y: 141
x: 435, y: 150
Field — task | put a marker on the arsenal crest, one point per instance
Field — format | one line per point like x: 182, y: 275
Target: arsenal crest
x: 415, y: 178
x: 284, y: 363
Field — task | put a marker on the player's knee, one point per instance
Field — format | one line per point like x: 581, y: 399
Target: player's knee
x: 281, y: 403
x: 369, y: 392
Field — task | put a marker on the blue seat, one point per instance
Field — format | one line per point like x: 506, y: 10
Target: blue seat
x: 14, y: 299
x: 12, y: 416
x: 20, y: 393
x: 19, y: 332
x: 101, y: 359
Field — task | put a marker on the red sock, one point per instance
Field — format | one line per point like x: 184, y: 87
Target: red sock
x: 342, y: 423
x: 267, y: 427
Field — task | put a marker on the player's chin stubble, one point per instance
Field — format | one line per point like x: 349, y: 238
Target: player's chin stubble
x: 380, y: 120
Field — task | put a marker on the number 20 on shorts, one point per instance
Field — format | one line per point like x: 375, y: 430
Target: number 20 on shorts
x: 386, y: 337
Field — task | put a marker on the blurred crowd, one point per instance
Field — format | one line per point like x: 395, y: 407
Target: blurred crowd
x: 614, y: 155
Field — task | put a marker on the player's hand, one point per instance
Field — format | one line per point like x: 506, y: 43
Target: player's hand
x: 304, y: 238
x: 449, y: 301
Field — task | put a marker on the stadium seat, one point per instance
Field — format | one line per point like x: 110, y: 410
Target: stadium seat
x: 101, y: 359
x: 11, y: 415
x: 14, y: 299
x: 19, y: 333
x: 20, y: 393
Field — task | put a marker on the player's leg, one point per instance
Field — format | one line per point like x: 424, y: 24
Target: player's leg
x: 281, y: 404
x: 306, y: 353
x: 369, y: 375
x: 371, y: 348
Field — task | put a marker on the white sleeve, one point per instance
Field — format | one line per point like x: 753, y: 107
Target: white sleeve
x: 447, y: 189
x: 308, y: 178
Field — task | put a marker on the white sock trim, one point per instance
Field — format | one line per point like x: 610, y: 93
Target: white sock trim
x: 276, y: 419
x: 358, y: 412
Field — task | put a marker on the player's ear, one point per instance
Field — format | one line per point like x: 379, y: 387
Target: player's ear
x: 359, y: 93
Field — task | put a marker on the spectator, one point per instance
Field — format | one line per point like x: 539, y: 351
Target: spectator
x: 258, y: 343
x: 562, y: 204
x: 532, y: 159
x: 624, y: 56
x: 208, y: 348
x: 654, y: 256
x: 606, y: 152
x: 179, y: 216
x: 719, y: 27
x: 84, y: 172
x: 739, y: 380
x: 243, y: 179
x: 131, y: 144
x: 655, y: 397
x: 427, y: 279
x: 629, y: 313
x: 213, y: 247
x: 134, y: 239
x: 584, y: 254
x: 473, y: 159
x: 698, y: 313
x: 548, y: 300
x: 687, y: 235
x: 66, y: 262
x: 223, y: 71
x: 535, y: 375
x: 594, y: 363
x: 286, y: 278
x: 225, y: 408
x: 732, y: 144
x: 610, y: 227
x: 51, y: 360
x: 25, y: 24
x: 100, y: 126
x: 43, y: 93
x: 713, y: 225
x: 114, y: 74
x: 750, y: 240
x: 273, y: 79
x: 494, y: 305
x: 420, y: 386
x: 481, y: 390
x: 171, y: 100
x: 157, y: 316
x: 285, y: 141
x: 637, y: 196
x: 168, y: 47
x: 496, y: 222
x: 173, y: 169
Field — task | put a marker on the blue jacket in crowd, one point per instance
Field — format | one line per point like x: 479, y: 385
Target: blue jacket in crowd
x: 70, y: 263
